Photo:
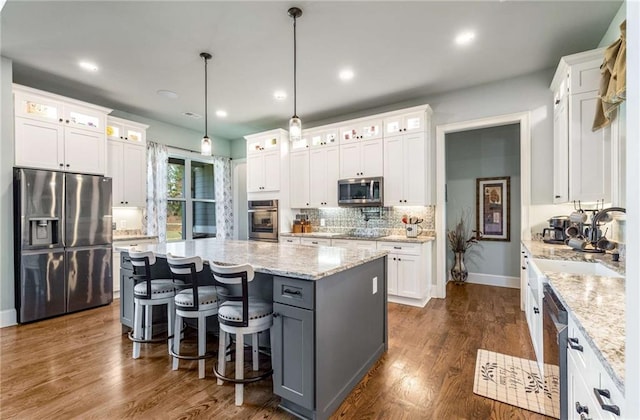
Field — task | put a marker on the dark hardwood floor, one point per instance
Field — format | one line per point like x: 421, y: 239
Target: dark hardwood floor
x: 80, y: 366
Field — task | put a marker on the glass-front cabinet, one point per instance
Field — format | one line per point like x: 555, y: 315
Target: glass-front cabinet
x: 361, y: 130
x: 405, y: 123
x: 118, y: 129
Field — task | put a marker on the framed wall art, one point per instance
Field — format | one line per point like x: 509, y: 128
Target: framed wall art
x: 493, y: 208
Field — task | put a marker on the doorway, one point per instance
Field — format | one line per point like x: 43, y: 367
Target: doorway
x: 522, y: 119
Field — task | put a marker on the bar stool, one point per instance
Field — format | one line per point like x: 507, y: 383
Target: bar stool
x: 197, y: 302
x: 148, y: 293
x: 240, y: 315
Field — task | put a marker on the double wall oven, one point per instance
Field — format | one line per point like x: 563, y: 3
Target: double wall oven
x: 263, y: 220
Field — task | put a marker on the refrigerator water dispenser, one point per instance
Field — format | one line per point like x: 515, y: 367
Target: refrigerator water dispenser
x: 43, y: 231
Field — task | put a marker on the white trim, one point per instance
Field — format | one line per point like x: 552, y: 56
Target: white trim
x: 419, y: 303
x: 442, y: 130
x: 8, y: 317
x: 494, y: 280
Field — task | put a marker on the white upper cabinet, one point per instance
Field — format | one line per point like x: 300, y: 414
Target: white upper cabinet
x: 361, y: 159
x: 405, y: 177
x: 324, y: 172
x: 299, y: 184
x: 127, y: 162
x: 57, y: 133
x: 267, y: 155
x: 582, y: 158
x: 355, y: 130
x: 411, y: 122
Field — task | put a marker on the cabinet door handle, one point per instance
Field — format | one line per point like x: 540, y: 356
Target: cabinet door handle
x: 557, y: 101
x: 573, y: 343
x: 599, y: 393
x: 292, y: 292
x: 558, y: 196
x: 275, y: 314
x: 524, y: 268
x: 536, y: 310
x: 127, y: 259
x: 397, y: 247
x: 581, y: 408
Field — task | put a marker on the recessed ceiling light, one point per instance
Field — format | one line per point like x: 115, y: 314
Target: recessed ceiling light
x: 280, y: 95
x: 167, y: 94
x: 346, y: 74
x: 192, y: 115
x: 465, y: 38
x: 86, y: 65
x: 221, y: 113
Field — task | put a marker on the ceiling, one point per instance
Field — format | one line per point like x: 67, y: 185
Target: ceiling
x: 399, y: 51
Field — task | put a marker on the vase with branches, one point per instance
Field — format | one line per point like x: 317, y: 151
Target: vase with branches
x: 461, y: 238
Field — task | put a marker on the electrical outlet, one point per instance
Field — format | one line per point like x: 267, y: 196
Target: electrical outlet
x: 375, y: 285
x: 322, y: 222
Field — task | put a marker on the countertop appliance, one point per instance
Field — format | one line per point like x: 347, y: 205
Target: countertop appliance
x: 556, y: 232
x: 62, y: 242
x: 263, y: 220
x: 360, y: 192
x: 555, y: 340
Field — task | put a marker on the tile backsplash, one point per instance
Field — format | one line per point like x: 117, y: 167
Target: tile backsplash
x: 373, y: 220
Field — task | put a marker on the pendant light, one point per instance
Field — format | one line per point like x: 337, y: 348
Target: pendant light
x: 205, y: 145
x: 295, y: 125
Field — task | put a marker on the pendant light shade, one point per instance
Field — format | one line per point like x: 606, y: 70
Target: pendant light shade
x: 295, y: 124
x: 205, y: 144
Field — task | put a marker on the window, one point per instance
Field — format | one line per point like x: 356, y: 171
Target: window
x: 191, y: 206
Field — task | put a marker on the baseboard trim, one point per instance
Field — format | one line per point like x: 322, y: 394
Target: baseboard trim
x: 420, y: 303
x: 494, y: 280
x: 8, y: 317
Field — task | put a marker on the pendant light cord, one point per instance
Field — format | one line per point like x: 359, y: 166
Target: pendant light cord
x: 295, y: 60
x: 206, y: 134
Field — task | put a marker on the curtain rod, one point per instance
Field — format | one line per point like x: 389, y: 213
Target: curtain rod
x: 191, y: 151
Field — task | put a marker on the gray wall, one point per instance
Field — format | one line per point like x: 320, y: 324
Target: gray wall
x: 172, y: 135
x: 238, y: 148
x: 489, y: 152
x: 7, y: 306
x: 525, y: 93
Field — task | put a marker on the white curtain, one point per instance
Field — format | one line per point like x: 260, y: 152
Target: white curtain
x: 224, y: 203
x: 156, y: 215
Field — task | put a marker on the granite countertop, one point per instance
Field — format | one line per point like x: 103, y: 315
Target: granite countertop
x: 387, y: 238
x: 299, y: 261
x: 596, y: 303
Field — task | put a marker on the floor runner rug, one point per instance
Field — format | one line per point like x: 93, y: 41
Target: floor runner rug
x: 518, y: 382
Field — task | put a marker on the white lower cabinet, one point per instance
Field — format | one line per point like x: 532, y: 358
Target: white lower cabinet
x: 533, y: 309
x: 591, y: 392
x: 408, y: 272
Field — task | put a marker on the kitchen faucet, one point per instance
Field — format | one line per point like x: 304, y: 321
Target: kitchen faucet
x: 595, y: 219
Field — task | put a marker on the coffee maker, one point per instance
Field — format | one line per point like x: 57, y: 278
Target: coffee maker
x: 555, y: 233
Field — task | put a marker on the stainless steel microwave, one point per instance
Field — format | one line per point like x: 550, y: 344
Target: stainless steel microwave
x: 363, y: 192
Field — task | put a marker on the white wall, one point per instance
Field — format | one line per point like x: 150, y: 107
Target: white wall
x: 7, y: 301
x: 613, y: 32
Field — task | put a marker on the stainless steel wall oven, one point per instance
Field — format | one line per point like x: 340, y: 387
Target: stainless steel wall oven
x: 263, y: 220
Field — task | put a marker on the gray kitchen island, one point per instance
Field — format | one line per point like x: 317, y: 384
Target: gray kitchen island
x: 330, y: 312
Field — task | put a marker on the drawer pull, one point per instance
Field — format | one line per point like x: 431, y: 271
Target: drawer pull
x: 581, y: 408
x: 314, y: 242
x: 126, y: 259
x: 275, y: 314
x: 397, y: 247
x: 573, y: 343
x: 292, y: 292
x: 599, y: 393
x: 536, y: 310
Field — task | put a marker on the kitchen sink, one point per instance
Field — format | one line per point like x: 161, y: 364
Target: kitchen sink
x: 575, y: 267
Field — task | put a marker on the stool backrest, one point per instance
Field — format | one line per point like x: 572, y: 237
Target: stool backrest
x: 187, y: 268
x: 142, y: 262
x: 235, y: 274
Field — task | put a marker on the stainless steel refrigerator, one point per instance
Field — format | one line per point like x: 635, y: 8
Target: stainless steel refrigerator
x: 63, y: 242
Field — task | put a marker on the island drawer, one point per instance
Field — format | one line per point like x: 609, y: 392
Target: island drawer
x: 293, y: 292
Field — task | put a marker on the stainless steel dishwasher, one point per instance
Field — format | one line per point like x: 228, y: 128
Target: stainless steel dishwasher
x: 554, y: 325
